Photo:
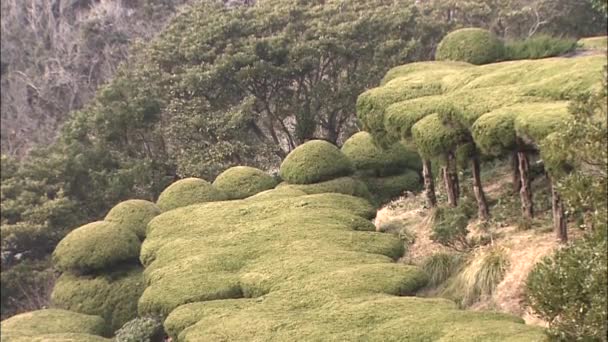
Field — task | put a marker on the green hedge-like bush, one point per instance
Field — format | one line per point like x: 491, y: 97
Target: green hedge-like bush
x: 433, y: 138
x: 342, y: 185
x: 112, y: 296
x: 315, y: 161
x: 539, y: 46
x: 367, y: 155
x: 568, y: 290
x: 141, y: 329
x: 471, y: 45
x: 133, y: 214
x: 186, y: 192
x: 243, y: 181
x: 384, y: 189
x: 96, y: 246
x: 50, y: 321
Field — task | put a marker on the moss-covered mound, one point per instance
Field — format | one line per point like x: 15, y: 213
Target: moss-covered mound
x: 342, y: 185
x: 134, y: 215
x: 276, y: 193
x: 188, y: 191
x: 366, y: 155
x: 296, y: 268
x: 315, y: 161
x: 384, y: 189
x: 113, y: 295
x: 96, y: 246
x: 243, y: 181
x: 52, y: 325
x: 471, y: 45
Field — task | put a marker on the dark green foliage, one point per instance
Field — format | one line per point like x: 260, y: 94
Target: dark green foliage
x: 29, y: 325
x: 112, y: 295
x: 366, y: 155
x: 243, y: 181
x: 96, y: 246
x: 186, y: 192
x: 450, y: 225
x: 141, y: 329
x: 133, y: 215
x: 471, y: 45
x: 385, y: 189
x: 569, y: 290
x: 26, y: 286
x: 538, y: 46
x: 313, y: 162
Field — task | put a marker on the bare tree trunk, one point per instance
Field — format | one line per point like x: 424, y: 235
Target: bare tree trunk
x: 559, y: 217
x: 525, y: 192
x: 429, y: 185
x: 450, y: 178
x: 482, y: 205
x: 515, y: 176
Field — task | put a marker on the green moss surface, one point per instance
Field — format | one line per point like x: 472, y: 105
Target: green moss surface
x: 60, y: 324
x: 365, y: 154
x: 384, y: 189
x: 342, y: 185
x: 538, y: 120
x: 433, y: 138
x: 188, y: 191
x: 243, y: 181
x: 315, y: 161
x: 276, y: 193
x: 471, y: 45
x: 112, y: 295
x: 134, y: 215
x: 60, y: 337
x: 309, y: 267
x: 468, y: 91
x: 95, y: 246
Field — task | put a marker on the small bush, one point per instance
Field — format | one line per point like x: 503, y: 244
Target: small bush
x: 441, y: 266
x: 568, y: 290
x: 243, y: 181
x: 96, y: 246
x: 539, y: 46
x: 186, y: 192
x: 450, y: 226
x: 313, y: 162
x: 471, y: 45
x: 141, y: 329
x: 134, y: 215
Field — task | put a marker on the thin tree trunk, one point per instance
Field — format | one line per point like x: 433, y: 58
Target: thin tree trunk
x: 515, y: 176
x: 429, y: 185
x: 450, y: 179
x: 559, y: 216
x: 482, y: 205
x: 525, y: 192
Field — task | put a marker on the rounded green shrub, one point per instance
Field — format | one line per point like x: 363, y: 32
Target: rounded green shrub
x: 315, y: 161
x: 365, y: 154
x: 50, y: 321
x: 471, y: 45
x: 113, y: 296
x: 433, y: 138
x: 384, y: 189
x: 141, y: 329
x: 243, y: 181
x: 133, y: 214
x: 96, y: 246
x: 342, y: 185
x: 186, y: 192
